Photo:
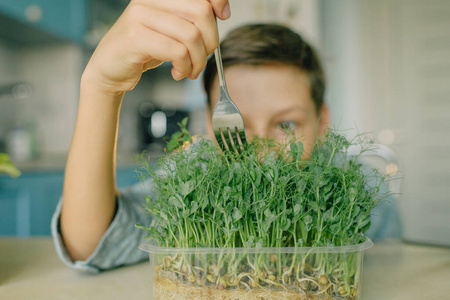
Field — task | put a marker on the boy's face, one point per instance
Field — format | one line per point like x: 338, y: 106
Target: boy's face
x: 271, y: 99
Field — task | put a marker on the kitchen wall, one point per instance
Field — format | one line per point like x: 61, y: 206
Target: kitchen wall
x: 301, y: 15
x: 7, y: 61
x: 53, y: 71
x: 358, y: 56
x: 8, y: 73
x: 388, y: 67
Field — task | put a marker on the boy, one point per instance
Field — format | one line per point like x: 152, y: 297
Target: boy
x: 273, y: 76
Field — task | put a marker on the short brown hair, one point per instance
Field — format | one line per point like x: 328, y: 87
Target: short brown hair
x: 265, y: 44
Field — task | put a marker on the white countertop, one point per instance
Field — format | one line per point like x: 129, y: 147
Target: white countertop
x: 30, y: 269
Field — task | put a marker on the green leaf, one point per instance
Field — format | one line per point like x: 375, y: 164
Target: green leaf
x: 335, y: 228
x: 237, y: 215
x: 248, y: 195
x: 178, y: 138
x: 184, y: 122
x: 250, y: 242
x: 4, y: 157
x: 152, y: 232
x: 355, y: 212
x: 286, y: 225
x: 10, y: 169
x: 164, y: 216
x: 176, y: 202
x: 186, y: 187
x: 301, y: 185
x: 172, y: 145
x: 315, y: 207
x: 308, y: 220
x: 185, y: 214
x: 275, y: 172
x: 296, y: 208
x: 194, y: 207
x: 327, y: 215
x: 365, y: 225
x: 204, y: 203
x: 226, y: 193
x: 6, y: 166
x: 237, y: 168
x: 293, y: 149
x: 328, y: 196
x: 270, y: 217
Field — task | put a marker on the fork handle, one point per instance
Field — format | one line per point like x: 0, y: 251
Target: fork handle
x: 219, y: 65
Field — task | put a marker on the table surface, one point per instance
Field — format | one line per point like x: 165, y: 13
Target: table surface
x: 30, y: 269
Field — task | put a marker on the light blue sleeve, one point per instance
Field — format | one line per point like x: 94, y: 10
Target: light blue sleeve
x: 385, y: 217
x: 119, y: 245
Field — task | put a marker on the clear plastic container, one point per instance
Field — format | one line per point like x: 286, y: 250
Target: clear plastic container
x: 256, y: 273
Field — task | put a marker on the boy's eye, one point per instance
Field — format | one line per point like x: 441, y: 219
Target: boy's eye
x: 287, y: 125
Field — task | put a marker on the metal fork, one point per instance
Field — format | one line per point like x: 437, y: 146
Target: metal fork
x: 227, y: 121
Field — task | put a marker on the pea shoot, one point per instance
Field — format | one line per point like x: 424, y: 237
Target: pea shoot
x: 267, y: 197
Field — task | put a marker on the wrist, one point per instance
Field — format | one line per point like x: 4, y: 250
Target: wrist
x: 93, y: 91
x: 92, y: 80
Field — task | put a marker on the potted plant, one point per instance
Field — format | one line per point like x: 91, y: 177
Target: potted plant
x: 262, y: 224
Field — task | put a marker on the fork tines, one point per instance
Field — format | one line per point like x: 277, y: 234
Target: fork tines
x: 231, y: 139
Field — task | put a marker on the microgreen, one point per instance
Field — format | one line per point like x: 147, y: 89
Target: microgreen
x: 267, y: 196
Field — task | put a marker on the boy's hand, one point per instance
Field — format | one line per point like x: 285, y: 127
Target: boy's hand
x: 150, y: 32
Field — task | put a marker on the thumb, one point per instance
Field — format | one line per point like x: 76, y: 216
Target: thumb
x: 152, y: 64
x: 221, y: 8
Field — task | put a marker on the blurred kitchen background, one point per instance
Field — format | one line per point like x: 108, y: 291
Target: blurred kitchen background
x: 388, y: 71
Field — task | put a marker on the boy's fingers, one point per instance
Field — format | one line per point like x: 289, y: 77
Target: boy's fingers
x: 198, y: 12
x: 201, y: 14
x: 221, y: 8
x: 205, y: 21
x: 163, y: 48
x: 182, y: 31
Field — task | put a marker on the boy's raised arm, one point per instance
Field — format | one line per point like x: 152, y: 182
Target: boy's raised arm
x: 147, y: 33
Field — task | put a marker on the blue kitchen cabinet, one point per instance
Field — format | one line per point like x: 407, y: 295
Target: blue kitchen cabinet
x: 64, y: 19
x: 27, y: 203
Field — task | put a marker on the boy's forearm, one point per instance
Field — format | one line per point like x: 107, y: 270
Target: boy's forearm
x: 89, y: 185
x: 147, y: 33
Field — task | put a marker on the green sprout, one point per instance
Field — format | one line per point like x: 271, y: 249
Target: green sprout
x: 266, y: 196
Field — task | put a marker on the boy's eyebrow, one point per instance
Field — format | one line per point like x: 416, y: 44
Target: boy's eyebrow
x: 290, y: 108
